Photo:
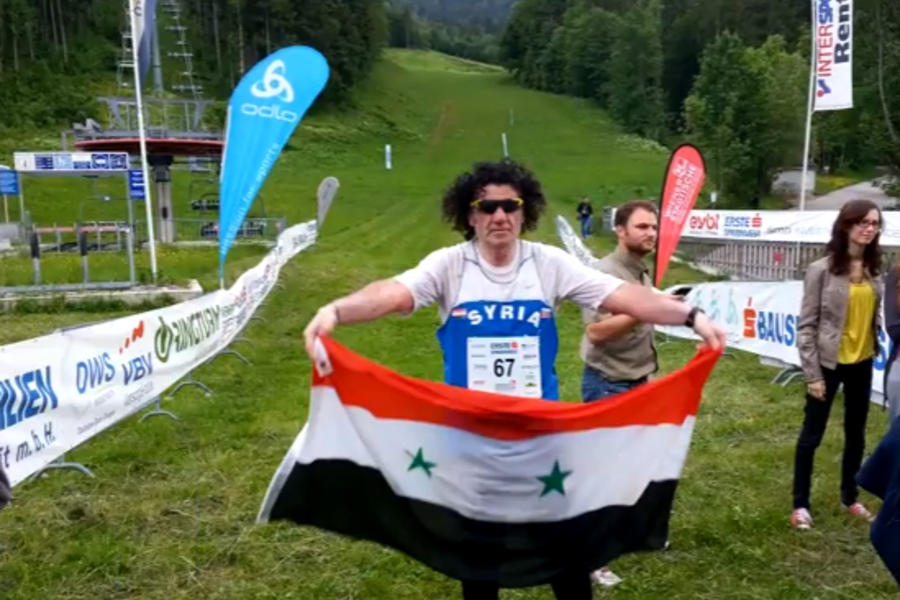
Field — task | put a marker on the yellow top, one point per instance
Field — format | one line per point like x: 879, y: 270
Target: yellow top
x: 857, y: 341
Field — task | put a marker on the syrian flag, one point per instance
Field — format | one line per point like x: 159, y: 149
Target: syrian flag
x: 485, y: 487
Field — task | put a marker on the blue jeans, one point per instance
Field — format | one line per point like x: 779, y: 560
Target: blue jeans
x: 595, y: 385
x: 585, y: 225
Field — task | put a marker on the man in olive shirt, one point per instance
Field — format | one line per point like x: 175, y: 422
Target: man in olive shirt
x: 617, y: 350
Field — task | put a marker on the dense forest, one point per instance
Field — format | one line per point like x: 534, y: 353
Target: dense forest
x: 488, y: 14
x: 466, y: 28
x: 731, y: 75
x: 49, y: 47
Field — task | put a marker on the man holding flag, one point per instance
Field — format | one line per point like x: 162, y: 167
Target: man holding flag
x: 497, y: 294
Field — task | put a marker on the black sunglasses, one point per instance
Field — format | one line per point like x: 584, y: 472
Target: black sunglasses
x: 489, y: 207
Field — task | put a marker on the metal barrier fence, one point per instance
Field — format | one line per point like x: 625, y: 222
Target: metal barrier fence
x: 99, y: 236
x: 110, y: 235
x: 759, y: 261
x: 196, y: 230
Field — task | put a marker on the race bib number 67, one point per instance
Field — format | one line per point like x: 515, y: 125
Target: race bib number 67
x: 504, y: 365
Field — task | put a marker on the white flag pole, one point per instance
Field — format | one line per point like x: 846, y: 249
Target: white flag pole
x: 809, y: 105
x: 148, y: 203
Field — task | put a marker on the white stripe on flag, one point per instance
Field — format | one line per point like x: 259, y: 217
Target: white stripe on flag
x: 490, y: 479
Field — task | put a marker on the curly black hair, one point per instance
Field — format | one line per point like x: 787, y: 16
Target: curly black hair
x: 468, y: 187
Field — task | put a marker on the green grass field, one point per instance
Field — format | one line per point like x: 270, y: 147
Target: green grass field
x: 170, y: 513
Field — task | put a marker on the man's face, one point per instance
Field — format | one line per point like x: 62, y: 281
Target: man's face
x: 638, y: 235
x: 498, y: 227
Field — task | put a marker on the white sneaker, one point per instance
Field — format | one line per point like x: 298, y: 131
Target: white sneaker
x: 605, y: 577
x: 800, y: 519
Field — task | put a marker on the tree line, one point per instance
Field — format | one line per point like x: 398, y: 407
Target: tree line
x: 731, y: 75
x: 467, y: 28
x: 49, y: 47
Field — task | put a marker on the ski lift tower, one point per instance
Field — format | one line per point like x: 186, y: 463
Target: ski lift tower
x: 174, y: 127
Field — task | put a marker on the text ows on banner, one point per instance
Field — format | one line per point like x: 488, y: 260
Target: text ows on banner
x: 263, y: 112
x: 59, y: 390
x: 833, y: 66
x: 685, y: 174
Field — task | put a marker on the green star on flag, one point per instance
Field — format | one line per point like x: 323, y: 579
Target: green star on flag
x: 554, y: 481
x: 419, y: 462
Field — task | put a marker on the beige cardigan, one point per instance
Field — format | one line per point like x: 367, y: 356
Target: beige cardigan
x: 822, y: 316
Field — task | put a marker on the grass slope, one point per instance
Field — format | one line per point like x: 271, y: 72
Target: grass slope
x: 170, y: 514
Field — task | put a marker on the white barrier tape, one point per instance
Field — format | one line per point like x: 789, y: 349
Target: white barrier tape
x: 59, y: 390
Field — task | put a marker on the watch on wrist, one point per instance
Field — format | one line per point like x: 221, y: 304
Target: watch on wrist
x: 689, y: 321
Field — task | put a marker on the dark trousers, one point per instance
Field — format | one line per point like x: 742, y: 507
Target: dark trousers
x: 857, y: 382
x: 569, y: 586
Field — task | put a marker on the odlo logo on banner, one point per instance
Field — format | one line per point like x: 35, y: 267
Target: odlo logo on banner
x: 185, y: 333
x: 768, y: 326
x: 272, y: 85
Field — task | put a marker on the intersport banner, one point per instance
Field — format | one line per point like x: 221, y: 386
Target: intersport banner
x: 59, y: 390
x: 811, y: 226
x: 833, y: 35
x: 265, y: 108
x: 685, y: 174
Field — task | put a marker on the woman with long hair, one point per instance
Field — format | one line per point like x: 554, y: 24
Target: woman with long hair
x: 837, y: 339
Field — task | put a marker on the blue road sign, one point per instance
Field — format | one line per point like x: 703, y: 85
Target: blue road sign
x: 9, y: 183
x: 136, y: 189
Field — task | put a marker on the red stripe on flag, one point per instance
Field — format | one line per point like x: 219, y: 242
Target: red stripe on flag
x: 389, y: 395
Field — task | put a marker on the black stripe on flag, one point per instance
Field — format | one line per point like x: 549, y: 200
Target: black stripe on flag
x: 341, y: 496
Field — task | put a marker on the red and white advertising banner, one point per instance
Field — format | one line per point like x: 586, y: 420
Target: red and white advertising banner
x: 833, y: 34
x: 809, y: 226
x: 684, y: 178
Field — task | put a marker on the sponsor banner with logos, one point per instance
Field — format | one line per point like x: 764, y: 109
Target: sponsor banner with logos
x: 812, y: 226
x: 833, y: 34
x: 59, y: 390
x: 759, y: 317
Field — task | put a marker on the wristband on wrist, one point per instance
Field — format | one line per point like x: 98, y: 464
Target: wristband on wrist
x: 337, y: 313
x: 691, y: 316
